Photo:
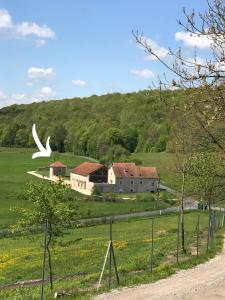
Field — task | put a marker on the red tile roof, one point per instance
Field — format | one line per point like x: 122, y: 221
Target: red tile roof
x: 87, y: 168
x: 133, y: 171
x: 58, y: 164
x: 115, y: 164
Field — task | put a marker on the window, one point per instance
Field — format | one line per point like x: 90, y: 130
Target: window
x: 140, y: 181
x: 153, y: 184
x: 121, y: 182
x: 131, y: 190
x: 131, y: 182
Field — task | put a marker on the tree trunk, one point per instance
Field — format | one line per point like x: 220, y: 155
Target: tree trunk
x: 182, y: 211
x: 49, y: 257
x: 209, y: 225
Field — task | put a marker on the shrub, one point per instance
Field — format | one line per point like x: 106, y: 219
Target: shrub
x: 145, y: 198
x: 164, y: 197
x: 96, y: 191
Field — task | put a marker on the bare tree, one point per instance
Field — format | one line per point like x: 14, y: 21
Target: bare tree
x: 182, y: 145
x: 203, y: 81
x: 204, y: 77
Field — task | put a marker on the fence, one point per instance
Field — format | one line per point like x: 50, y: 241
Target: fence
x: 139, y: 248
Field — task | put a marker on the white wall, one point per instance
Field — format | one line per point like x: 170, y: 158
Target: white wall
x: 111, y: 176
x: 81, y: 183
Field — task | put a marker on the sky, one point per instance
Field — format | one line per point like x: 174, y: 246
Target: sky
x: 76, y: 48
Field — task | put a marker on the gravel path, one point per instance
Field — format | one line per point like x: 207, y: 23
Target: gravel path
x: 203, y: 282
x: 34, y: 173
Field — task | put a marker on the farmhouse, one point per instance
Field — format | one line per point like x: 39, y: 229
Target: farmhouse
x: 129, y: 178
x: 119, y: 178
x: 84, y: 176
x: 57, y: 169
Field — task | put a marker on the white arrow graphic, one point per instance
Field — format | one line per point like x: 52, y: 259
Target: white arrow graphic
x: 44, y: 152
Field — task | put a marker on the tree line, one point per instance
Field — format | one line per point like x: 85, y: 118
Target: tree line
x: 104, y: 127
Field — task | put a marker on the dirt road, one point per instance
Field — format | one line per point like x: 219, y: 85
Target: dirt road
x: 204, y: 282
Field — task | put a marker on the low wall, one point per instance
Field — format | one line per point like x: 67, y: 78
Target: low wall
x: 106, y: 187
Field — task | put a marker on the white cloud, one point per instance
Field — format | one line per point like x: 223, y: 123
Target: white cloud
x: 5, y: 19
x: 80, y: 83
x: 29, y: 83
x: 40, y: 73
x: 24, y: 29
x: 144, y: 73
x: 161, y: 52
x: 3, y: 96
x: 193, y: 40
x: 220, y: 66
x: 47, y: 92
x: 40, y: 43
x: 197, y: 60
x: 6, y: 100
x: 18, y: 98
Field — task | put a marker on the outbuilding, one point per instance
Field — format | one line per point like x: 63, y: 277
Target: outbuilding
x: 57, y: 169
x: 84, y: 176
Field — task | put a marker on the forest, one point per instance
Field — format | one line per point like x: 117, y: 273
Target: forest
x: 104, y: 127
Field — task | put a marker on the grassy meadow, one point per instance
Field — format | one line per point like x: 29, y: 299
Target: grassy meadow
x: 77, y: 260
x: 78, y: 257
x: 15, y: 162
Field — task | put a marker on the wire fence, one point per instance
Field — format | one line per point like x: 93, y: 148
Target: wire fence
x: 119, y: 252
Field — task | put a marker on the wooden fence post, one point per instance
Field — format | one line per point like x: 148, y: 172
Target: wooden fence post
x: 198, y: 236
x: 44, y: 260
x: 110, y: 254
x: 152, y: 245
x: 209, y: 231
x: 178, y: 236
x: 223, y: 219
x: 103, y: 267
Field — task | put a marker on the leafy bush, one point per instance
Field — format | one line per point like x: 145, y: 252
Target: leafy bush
x: 96, y: 191
x: 145, y: 197
x: 164, y: 196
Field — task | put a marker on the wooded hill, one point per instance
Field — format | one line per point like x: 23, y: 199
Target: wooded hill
x: 105, y: 127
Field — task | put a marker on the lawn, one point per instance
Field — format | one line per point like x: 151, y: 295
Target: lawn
x: 78, y: 259
x: 14, y: 163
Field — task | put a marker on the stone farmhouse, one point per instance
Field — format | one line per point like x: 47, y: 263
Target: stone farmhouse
x: 118, y: 178
x: 130, y: 178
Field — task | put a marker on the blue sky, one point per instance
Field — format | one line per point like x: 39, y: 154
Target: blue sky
x: 62, y: 49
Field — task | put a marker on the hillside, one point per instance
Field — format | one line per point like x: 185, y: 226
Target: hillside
x: 15, y: 162
x: 105, y: 127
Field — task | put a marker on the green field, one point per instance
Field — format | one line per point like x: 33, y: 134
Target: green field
x: 81, y: 259
x: 78, y: 258
x: 14, y: 163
